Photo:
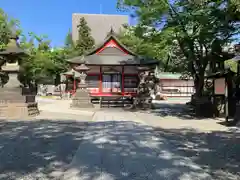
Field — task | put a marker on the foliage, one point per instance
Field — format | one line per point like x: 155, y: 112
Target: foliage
x: 7, y: 25
x: 85, y: 41
x: 42, y: 62
x: 69, y: 41
x: 152, y: 49
x: 232, y: 65
x: 195, y: 30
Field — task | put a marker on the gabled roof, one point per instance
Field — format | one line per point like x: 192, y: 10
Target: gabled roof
x: 111, y: 36
x: 112, y: 60
x: 99, y: 56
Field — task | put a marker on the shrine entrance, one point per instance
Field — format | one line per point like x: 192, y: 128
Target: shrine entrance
x: 111, y: 83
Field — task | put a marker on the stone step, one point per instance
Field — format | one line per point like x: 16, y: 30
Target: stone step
x: 18, y: 110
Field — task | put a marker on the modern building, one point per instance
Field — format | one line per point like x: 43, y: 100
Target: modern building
x: 99, y: 24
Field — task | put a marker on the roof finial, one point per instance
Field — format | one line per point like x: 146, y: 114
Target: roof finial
x: 111, y: 31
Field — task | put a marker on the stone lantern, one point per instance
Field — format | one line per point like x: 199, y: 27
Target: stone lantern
x: 142, y: 73
x: 15, y: 103
x: 143, y: 99
x: 81, y: 98
x: 82, y: 69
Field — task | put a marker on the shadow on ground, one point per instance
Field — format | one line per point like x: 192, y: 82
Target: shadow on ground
x: 37, y: 148
x: 181, y: 111
x: 115, y: 150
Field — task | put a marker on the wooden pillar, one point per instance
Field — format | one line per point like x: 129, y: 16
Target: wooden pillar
x: 66, y: 82
x: 123, y: 80
x: 100, y: 80
x: 74, y: 84
x: 226, y: 100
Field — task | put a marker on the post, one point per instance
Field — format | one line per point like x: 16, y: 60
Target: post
x: 226, y: 101
x: 123, y: 80
x: 100, y: 80
x: 74, y: 84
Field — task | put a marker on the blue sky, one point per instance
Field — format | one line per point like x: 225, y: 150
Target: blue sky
x: 53, y: 17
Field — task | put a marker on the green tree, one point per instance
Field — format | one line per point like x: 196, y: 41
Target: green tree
x: 69, y: 41
x: 43, y: 61
x: 144, y: 46
x: 7, y: 25
x: 70, y: 49
x: 198, y: 28
x: 85, y: 41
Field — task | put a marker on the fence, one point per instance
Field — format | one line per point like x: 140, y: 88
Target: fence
x: 177, y: 91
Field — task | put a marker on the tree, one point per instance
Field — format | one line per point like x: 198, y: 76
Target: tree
x: 150, y: 49
x: 70, y: 49
x: 7, y: 26
x: 43, y: 62
x: 85, y: 41
x: 199, y: 28
x: 69, y: 41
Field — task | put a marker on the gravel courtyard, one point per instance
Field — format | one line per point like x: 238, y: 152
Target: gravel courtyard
x: 113, y: 145
x: 38, y: 149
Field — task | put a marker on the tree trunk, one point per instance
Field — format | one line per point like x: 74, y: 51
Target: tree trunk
x: 199, y: 85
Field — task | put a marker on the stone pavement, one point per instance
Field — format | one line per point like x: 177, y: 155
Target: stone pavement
x: 112, y: 144
x: 61, y: 107
x: 121, y: 145
x: 170, y: 122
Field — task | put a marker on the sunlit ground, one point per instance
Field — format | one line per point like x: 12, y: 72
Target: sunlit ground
x: 114, y: 150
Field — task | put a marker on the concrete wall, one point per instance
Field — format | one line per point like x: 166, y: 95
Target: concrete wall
x: 100, y: 24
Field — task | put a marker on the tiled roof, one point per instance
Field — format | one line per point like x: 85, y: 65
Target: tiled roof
x: 111, y: 60
x: 100, y: 24
x: 111, y: 36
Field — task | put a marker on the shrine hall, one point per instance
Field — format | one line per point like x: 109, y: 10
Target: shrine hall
x: 113, y: 68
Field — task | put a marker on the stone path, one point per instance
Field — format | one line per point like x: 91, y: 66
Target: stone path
x: 61, y: 107
x: 121, y: 145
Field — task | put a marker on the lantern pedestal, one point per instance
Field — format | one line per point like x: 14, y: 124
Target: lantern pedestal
x: 81, y: 98
x: 16, y: 102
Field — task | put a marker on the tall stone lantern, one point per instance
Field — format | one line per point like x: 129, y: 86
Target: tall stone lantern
x: 81, y: 99
x: 14, y: 102
x: 143, y: 99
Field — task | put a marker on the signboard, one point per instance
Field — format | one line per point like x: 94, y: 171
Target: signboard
x: 219, y: 86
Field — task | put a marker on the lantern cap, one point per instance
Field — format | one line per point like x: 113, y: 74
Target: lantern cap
x: 12, y: 47
x: 143, y: 68
x: 82, y: 67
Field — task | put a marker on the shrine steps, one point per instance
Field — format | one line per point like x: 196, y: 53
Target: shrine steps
x: 112, y: 101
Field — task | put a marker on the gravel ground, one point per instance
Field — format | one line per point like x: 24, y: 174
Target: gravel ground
x: 118, y: 145
x: 115, y: 148
x: 38, y: 149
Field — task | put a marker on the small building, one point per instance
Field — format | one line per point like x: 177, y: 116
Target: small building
x: 172, y: 85
x: 113, y: 68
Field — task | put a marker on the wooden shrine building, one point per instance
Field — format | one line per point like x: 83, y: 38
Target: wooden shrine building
x: 113, y: 68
